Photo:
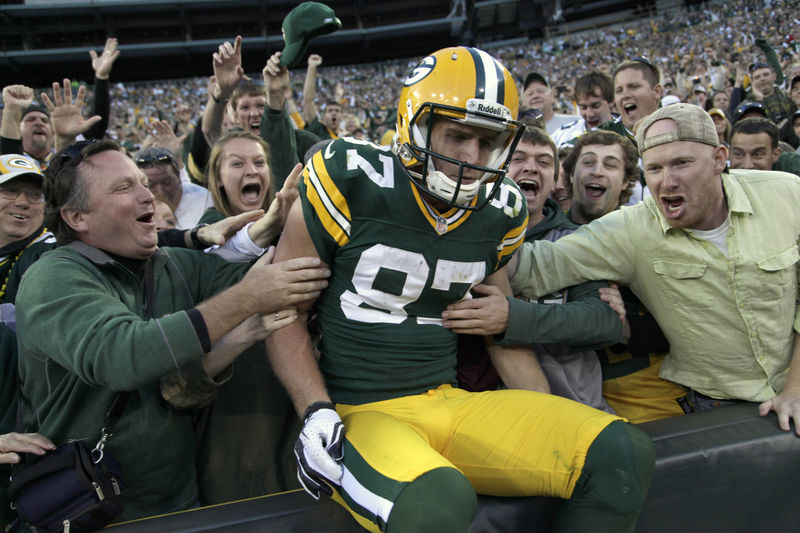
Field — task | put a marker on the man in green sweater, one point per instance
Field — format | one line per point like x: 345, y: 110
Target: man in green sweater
x: 109, y: 311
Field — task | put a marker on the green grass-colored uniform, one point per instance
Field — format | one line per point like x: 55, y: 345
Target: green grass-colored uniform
x: 396, y: 265
x: 416, y: 449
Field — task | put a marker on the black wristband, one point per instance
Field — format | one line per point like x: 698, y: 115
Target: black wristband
x: 196, y: 241
x: 219, y: 99
x: 172, y: 237
x: 316, y: 406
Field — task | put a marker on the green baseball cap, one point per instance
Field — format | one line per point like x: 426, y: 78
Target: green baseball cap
x: 694, y: 125
x: 303, y: 23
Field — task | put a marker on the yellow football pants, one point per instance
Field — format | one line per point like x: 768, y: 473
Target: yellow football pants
x: 506, y: 442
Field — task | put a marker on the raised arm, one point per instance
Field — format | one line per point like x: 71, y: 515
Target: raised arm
x: 228, y: 72
x: 276, y: 126
x: 102, y: 64
x: 15, y: 99
x: 276, y: 81
x: 772, y: 59
x: 310, y: 88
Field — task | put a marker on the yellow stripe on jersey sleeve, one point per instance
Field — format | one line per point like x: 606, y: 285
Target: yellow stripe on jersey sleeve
x: 328, y: 202
x: 297, y: 118
x: 195, y: 171
x: 512, y: 240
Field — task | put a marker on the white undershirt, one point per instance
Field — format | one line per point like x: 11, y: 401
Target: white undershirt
x: 238, y: 249
x: 717, y: 236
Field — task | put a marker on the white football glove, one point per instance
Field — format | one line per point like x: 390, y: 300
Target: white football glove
x: 320, y: 449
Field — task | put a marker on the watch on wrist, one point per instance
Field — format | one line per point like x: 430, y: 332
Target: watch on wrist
x: 197, y: 242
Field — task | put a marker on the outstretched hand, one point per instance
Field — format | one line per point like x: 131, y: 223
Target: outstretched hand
x: 227, y: 63
x: 102, y: 64
x: 221, y: 231
x: 272, y: 322
x: 285, y: 284
x: 270, y: 225
x: 259, y: 327
x: 164, y: 137
x: 65, y: 113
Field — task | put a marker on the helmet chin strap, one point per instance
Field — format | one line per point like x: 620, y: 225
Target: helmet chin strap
x: 437, y: 182
x: 444, y: 187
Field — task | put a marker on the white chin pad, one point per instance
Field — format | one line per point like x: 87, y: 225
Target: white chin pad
x: 444, y: 187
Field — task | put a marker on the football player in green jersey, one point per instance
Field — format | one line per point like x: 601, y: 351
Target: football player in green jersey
x: 407, y: 230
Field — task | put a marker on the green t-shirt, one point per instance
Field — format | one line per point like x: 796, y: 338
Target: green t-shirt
x: 788, y: 162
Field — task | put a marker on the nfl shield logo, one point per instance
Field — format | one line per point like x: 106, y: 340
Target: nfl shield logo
x: 441, y: 225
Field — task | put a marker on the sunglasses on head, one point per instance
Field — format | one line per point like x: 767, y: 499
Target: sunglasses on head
x: 644, y: 60
x: 531, y: 114
x: 154, y: 159
x: 74, y: 151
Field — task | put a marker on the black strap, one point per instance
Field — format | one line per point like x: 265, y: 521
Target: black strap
x: 115, y: 411
x: 148, y: 289
x: 121, y: 399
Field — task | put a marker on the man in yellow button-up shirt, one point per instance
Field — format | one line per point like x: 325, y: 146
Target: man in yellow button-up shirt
x: 713, y: 255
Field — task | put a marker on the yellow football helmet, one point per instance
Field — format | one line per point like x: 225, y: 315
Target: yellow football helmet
x: 468, y: 86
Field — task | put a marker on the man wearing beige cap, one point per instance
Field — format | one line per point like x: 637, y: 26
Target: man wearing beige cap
x: 705, y: 255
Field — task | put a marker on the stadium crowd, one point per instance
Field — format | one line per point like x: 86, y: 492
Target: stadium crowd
x: 682, y: 43
x: 145, y: 229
